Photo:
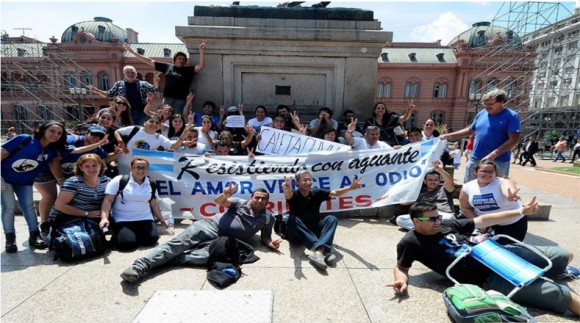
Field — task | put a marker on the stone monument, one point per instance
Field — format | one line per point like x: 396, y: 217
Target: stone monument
x: 303, y: 57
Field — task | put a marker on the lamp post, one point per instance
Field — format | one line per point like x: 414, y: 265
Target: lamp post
x: 78, y: 94
x: 474, y: 99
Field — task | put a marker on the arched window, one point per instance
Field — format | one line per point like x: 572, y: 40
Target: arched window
x: 509, y: 87
x: 411, y: 90
x: 438, y: 117
x: 474, y: 87
x: 70, y: 80
x: 491, y: 84
x: 104, y: 82
x: 440, y: 90
x: 86, y: 78
x: 380, y: 89
x: 387, y: 90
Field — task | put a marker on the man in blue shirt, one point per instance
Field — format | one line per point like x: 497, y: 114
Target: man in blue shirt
x: 497, y: 131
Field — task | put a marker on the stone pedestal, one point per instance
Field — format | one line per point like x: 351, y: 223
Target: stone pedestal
x: 305, y: 58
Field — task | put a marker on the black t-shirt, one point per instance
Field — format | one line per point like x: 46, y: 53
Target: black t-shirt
x: 437, y: 251
x: 387, y: 133
x: 308, y: 208
x: 134, y: 97
x: 177, y: 80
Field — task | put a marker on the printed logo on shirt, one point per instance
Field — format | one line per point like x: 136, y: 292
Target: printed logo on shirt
x: 142, y: 144
x: 485, y: 202
x: 67, y: 168
x: 24, y: 165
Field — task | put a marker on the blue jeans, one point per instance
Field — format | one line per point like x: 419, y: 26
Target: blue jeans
x: 178, y: 105
x: 313, y: 236
x: 503, y: 169
x: 138, y: 118
x: 559, y: 155
x: 541, y: 293
x: 195, y: 235
x: 24, y: 194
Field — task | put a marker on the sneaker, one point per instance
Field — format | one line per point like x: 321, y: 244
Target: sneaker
x: 317, y: 260
x: 330, y: 259
x: 570, y: 273
x: 133, y: 273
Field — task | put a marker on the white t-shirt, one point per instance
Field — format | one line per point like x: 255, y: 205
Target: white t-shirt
x: 202, y: 139
x: 199, y: 149
x: 361, y: 143
x: 134, y: 205
x: 258, y: 124
x: 141, y: 140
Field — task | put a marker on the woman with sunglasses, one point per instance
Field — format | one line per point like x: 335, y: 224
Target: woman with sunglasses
x: 122, y: 108
x: 146, y: 138
x: 133, y: 212
x: 24, y: 157
x: 61, y: 168
x: 489, y: 193
x: 387, y: 122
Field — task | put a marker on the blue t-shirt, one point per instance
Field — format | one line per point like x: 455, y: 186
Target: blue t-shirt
x: 492, y: 131
x: 69, y: 160
x: 23, y: 167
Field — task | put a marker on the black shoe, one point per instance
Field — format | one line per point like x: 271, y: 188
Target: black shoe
x: 44, y: 230
x: 35, y: 241
x: 11, y: 243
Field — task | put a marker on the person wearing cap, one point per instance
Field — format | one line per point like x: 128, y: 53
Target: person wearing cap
x: 62, y: 167
x: 318, y: 126
x: 178, y: 76
x: 131, y: 88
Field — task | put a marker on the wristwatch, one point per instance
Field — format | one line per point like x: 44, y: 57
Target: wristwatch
x: 86, y: 214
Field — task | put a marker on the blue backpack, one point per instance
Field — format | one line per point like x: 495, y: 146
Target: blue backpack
x: 78, y: 239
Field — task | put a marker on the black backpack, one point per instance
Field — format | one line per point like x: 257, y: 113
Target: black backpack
x: 127, y: 138
x: 123, y: 183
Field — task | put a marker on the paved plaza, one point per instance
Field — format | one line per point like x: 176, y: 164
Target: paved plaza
x: 37, y: 289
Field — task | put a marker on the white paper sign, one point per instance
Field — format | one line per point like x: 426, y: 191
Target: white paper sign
x: 235, y: 121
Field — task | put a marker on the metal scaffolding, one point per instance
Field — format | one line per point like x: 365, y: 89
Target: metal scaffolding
x: 546, y: 91
x: 39, y: 82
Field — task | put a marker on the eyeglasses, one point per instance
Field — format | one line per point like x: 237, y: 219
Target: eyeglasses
x: 490, y: 103
x: 123, y: 103
x: 486, y: 171
x: 140, y: 167
x: 99, y: 135
x: 153, y: 121
x: 433, y: 219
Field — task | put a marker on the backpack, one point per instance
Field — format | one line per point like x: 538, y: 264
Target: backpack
x: 123, y: 183
x: 469, y: 303
x: 78, y: 239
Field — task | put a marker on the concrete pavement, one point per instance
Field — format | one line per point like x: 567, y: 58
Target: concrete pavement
x: 37, y: 289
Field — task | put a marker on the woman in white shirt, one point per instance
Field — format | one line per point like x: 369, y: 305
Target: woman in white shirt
x: 261, y: 118
x: 204, y: 133
x: 133, y: 211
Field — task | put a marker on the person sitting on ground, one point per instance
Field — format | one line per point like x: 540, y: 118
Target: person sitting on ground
x: 387, y: 122
x: 433, y: 192
x: 434, y: 244
x: 241, y: 220
x: 208, y: 108
x: 81, y: 196
x: 261, y: 118
x: 191, y: 145
x: 414, y: 135
x: 289, y: 124
x: 488, y: 193
x: 347, y: 117
x: 305, y: 224
x: 132, y: 212
x: 323, y: 122
x: 370, y: 141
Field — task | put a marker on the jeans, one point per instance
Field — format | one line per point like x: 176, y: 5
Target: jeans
x: 138, y: 118
x: 178, y: 105
x: 24, y: 194
x: 194, y: 236
x: 503, y: 169
x: 315, y: 235
x: 541, y: 293
x: 559, y: 155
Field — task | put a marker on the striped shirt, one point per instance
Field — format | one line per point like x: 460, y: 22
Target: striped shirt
x: 84, y: 197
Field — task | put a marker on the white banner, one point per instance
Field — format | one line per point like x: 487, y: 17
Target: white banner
x: 279, y: 142
x: 189, y: 183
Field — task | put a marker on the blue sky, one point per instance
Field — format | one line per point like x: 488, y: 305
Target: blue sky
x: 156, y: 21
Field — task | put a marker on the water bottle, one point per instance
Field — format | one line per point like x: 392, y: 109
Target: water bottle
x: 170, y: 223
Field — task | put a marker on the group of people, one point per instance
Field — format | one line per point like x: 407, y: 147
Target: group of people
x: 93, y: 186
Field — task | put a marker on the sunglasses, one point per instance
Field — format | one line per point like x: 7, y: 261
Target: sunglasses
x: 433, y: 219
x: 140, y: 167
x: 123, y: 103
x: 98, y: 135
x: 486, y: 171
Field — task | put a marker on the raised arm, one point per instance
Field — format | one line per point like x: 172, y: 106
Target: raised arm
x: 353, y: 186
x: 140, y: 57
x: 223, y: 198
x: 408, y: 112
x: 287, y: 187
x: 457, y: 134
x: 201, y: 65
x: 349, y: 130
x: 96, y: 90
x: 449, y: 185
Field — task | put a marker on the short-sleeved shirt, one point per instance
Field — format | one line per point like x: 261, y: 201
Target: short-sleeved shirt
x: 437, y: 251
x: 141, y: 140
x: 134, y: 204
x: 362, y: 144
x: 307, y: 208
x: 69, y: 160
x: 22, y: 167
x: 177, y: 80
x: 241, y: 222
x: 439, y: 197
x: 490, y: 199
x: 491, y: 131
x: 84, y: 197
x: 258, y: 124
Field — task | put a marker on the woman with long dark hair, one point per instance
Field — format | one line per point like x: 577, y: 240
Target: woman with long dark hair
x: 387, y: 122
x: 24, y: 157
